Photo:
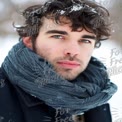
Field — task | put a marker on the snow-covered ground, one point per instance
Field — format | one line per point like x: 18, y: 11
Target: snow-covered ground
x: 109, y: 53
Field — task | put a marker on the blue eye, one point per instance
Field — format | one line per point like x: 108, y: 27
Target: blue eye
x: 57, y: 36
x: 85, y: 41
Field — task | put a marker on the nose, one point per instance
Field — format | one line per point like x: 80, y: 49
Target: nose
x: 72, y: 49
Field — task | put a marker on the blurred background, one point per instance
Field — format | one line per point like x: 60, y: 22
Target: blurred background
x: 110, y: 53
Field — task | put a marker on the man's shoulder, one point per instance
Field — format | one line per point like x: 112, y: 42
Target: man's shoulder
x: 6, y: 88
x: 4, y: 82
x: 3, y: 79
x: 9, y: 103
x: 5, y: 85
x: 99, y: 114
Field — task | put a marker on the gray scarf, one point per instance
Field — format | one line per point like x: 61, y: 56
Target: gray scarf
x: 36, y: 76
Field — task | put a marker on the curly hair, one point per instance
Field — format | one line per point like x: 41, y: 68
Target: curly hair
x: 85, y: 14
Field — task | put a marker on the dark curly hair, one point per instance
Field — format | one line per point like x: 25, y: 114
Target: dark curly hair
x: 85, y: 14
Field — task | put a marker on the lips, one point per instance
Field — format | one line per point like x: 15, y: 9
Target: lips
x: 68, y: 64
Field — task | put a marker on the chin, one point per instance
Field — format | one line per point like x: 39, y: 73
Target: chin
x: 68, y: 76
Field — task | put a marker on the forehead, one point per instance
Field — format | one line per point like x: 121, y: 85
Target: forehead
x: 49, y: 24
x: 65, y: 25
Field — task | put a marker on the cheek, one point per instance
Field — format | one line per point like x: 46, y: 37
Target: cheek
x: 86, y: 56
x: 47, y: 51
x: 44, y: 50
x: 87, y: 52
x: 49, y: 48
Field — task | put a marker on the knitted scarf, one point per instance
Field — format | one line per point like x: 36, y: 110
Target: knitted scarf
x: 36, y: 76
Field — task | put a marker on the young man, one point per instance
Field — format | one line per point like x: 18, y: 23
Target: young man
x: 50, y: 75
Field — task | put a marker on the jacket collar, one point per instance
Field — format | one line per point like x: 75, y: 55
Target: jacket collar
x: 29, y: 100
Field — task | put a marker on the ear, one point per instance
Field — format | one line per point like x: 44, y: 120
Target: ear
x: 27, y: 42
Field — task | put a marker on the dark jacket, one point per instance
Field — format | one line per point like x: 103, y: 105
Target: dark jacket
x: 18, y: 106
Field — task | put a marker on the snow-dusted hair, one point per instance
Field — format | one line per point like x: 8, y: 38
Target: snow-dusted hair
x: 83, y: 14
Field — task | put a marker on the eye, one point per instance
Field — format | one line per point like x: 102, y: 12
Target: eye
x: 57, y: 36
x: 85, y: 41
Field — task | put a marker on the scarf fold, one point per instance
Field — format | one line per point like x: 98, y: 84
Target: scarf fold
x: 36, y: 76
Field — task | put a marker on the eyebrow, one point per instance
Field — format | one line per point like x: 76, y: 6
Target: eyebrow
x: 89, y: 36
x: 57, y: 31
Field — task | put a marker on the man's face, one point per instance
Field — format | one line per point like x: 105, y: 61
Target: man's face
x: 68, y: 51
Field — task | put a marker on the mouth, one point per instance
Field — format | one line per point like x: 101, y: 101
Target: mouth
x: 68, y: 64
